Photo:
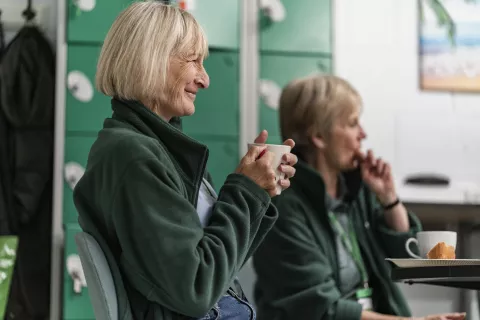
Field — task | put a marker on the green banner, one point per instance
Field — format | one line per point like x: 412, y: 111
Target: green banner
x: 8, y: 253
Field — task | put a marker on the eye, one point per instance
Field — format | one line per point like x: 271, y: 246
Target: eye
x: 193, y: 59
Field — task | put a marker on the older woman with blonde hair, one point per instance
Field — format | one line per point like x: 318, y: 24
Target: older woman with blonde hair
x: 145, y: 194
x: 339, y: 220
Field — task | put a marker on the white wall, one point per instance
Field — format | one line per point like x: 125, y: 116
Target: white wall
x: 376, y: 48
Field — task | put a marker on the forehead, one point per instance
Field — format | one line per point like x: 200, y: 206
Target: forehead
x: 193, y: 42
x: 349, y: 110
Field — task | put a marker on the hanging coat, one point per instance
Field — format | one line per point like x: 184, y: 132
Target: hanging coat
x: 27, y: 94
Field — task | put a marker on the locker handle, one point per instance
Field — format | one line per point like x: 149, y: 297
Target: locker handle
x: 270, y: 93
x: 274, y: 9
x: 80, y: 86
x: 322, y: 67
x: 75, y: 270
x: 84, y: 5
x: 73, y: 172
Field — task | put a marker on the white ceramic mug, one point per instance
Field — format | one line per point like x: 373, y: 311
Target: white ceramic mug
x: 426, y: 240
x: 278, y: 150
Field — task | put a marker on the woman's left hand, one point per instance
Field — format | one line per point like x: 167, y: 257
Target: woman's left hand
x: 289, y: 160
x: 286, y: 166
x: 377, y: 174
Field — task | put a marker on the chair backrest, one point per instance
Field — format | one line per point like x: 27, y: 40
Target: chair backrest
x: 101, y: 287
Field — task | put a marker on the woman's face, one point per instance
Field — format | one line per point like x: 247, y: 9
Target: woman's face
x: 343, y: 146
x: 186, y: 75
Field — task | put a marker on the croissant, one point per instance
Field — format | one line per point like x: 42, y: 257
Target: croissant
x: 441, y: 251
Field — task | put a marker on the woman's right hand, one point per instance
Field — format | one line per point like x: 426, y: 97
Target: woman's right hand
x: 445, y: 316
x: 258, y: 167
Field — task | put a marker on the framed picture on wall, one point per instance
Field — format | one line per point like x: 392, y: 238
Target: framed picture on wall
x: 449, y: 45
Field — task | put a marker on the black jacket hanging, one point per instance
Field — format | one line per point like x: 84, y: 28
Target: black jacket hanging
x: 27, y: 92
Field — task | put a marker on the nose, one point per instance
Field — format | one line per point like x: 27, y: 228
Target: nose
x: 202, y: 79
x: 362, y: 134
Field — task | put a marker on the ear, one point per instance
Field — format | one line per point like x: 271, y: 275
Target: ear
x: 318, y: 142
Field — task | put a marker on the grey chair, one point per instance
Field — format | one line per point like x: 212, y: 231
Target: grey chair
x: 101, y: 287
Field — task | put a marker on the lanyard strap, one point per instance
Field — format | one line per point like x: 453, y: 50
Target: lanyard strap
x: 351, y: 244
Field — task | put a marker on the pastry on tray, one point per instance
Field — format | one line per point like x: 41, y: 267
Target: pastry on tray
x: 441, y: 251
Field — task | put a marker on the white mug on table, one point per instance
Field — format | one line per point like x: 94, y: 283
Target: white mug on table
x: 426, y: 240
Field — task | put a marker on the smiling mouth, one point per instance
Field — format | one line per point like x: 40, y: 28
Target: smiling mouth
x: 191, y: 95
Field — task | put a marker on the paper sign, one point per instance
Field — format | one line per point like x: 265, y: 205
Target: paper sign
x: 187, y: 5
x: 8, y: 254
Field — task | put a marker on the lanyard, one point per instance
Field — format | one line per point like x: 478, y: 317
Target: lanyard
x: 351, y: 244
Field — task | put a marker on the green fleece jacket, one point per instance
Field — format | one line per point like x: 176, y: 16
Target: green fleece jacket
x: 138, y: 197
x: 297, y: 264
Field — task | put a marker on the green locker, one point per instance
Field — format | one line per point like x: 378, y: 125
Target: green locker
x: 86, y: 108
x: 223, y: 157
x: 90, y: 20
x: 222, y: 26
x: 76, y: 301
x: 217, y: 108
x: 293, y: 26
x: 76, y: 155
x: 275, y: 72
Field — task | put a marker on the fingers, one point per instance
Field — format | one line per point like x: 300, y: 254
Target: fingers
x: 267, y: 158
x: 380, y: 167
x: 289, y: 159
x: 377, y: 167
x: 448, y: 316
x: 370, y: 159
x: 254, y: 153
x: 288, y: 170
x: 455, y: 316
x: 284, y: 183
x: 387, y: 171
x: 290, y: 143
x: 262, y: 137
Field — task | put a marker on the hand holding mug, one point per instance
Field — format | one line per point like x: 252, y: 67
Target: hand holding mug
x: 279, y: 162
x: 444, y: 316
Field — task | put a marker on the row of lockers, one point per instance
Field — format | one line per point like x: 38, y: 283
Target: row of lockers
x: 217, y: 108
x: 304, y: 27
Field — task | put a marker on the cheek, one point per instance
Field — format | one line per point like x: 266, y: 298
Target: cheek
x: 182, y: 78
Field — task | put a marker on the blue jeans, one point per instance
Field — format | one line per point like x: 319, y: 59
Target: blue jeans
x: 231, y: 307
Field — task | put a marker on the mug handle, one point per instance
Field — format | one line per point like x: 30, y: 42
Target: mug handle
x: 407, y: 247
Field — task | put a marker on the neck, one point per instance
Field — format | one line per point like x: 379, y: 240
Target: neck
x: 157, y: 109
x: 329, y: 176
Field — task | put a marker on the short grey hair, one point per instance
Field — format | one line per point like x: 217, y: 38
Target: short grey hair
x: 133, y: 63
x: 310, y: 106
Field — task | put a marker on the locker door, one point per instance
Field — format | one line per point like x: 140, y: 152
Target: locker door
x: 86, y: 108
x: 216, y: 108
x: 296, y: 26
x: 76, y: 154
x: 89, y: 20
x: 76, y: 301
x: 275, y: 72
x: 223, y: 157
x: 219, y: 19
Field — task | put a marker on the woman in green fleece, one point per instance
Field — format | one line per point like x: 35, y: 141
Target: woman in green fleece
x: 144, y: 195
x: 339, y: 220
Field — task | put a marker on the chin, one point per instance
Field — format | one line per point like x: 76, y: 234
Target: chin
x: 349, y: 166
x: 188, y: 110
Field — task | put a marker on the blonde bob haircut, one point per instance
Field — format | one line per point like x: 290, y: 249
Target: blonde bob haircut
x: 134, y: 60
x: 310, y: 106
